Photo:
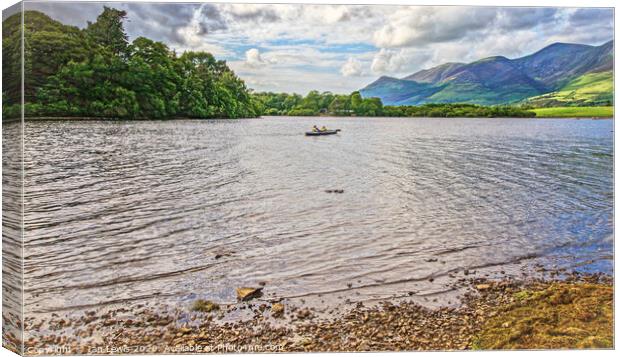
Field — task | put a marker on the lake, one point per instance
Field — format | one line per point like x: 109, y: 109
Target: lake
x: 169, y: 211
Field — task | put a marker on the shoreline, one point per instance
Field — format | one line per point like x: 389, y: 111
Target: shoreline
x: 36, y: 119
x: 505, y: 313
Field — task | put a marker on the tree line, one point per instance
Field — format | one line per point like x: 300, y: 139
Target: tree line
x: 315, y: 103
x: 327, y: 103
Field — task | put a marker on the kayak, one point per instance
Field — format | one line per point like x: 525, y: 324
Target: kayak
x: 318, y: 133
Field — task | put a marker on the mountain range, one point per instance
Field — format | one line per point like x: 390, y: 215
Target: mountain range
x: 559, y: 74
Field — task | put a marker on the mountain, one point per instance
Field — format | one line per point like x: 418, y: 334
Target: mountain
x: 499, y: 80
x: 558, y: 63
x: 394, y: 90
x: 435, y: 74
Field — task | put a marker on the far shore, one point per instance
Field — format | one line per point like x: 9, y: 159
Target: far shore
x: 594, y: 113
x: 9, y: 120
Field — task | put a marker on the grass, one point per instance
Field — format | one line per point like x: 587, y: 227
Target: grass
x: 574, y: 112
x: 588, y: 89
x: 558, y: 316
x: 592, y: 83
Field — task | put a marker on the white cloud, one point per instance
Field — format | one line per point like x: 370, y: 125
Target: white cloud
x: 417, y: 25
x: 254, y: 59
x: 352, y: 68
x: 291, y: 80
x: 302, y: 43
x: 193, y: 36
x: 387, y: 61
x: 401, y: 62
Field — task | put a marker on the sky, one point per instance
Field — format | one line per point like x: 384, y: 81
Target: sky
x: 342, y: 48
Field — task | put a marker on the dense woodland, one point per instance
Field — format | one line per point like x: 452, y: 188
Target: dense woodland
x: 97, y: 72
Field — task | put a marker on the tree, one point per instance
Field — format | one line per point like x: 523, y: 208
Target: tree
x: 108, y: 31
x: 151, y: 75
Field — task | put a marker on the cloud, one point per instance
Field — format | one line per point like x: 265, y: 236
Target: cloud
x: 254, y: 59
x: 256, y: 13
x: 76, y: 14
x: 401, y: 61
x: 291, y: 80
x: 423, y: 25
x: 588, y: 17
x: 525, y: 18
x: 301, y: 46
x: 188, y: 27
x: 387, y: 61
x: 194, y: 35
x: 352, y: 68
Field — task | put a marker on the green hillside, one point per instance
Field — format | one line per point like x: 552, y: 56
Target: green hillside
x: 588, y: 89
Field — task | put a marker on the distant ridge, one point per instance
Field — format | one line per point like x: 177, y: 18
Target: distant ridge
x: 499, y: 80
x: 435, y: 74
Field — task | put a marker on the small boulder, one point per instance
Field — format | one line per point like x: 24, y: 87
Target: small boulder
x: 246, y: 294
x: 483, y: 287
x: 277, y: 309
x: 304, y: 314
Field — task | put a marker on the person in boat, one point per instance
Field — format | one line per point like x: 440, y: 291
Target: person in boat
x: 316, y: 129
x: 323, y: 128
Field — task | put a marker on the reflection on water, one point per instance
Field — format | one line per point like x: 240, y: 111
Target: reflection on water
x: 171, y: 210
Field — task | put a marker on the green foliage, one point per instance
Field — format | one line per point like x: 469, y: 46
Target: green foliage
x: 457, y: 110
x: 108, y: 31
x: 11, y: 64
x: 96, y: 72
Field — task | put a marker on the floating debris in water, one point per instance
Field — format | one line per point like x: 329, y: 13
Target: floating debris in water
x: 223, y: 254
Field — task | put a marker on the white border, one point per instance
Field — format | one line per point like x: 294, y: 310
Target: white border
x: 551, y: 3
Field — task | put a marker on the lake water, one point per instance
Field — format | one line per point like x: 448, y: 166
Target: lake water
x: 139, y: 210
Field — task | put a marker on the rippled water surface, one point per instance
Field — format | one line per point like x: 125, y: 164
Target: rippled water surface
x: 121, y: 211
